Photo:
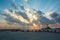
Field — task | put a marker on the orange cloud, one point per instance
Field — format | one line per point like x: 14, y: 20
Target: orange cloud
x: 5, y: 25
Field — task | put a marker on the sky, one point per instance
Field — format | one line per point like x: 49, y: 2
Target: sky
x: 22, y: 13
x: 44, y: 5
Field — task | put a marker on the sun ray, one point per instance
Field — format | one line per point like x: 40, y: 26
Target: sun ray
x: 52, y: 7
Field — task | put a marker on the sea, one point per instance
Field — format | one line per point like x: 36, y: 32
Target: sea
x: 29, y: 36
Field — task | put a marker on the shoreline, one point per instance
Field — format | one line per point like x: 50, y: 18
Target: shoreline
x: 18, y: 30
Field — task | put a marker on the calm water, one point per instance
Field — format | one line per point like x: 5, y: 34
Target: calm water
x: 29, y: 36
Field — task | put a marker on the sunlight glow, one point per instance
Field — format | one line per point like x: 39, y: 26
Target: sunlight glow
x: 32, y: 16
x: 26, y: 1
x: 34, y: 26
x: 47, y: 15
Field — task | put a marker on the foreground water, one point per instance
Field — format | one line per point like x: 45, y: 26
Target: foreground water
x: 29, y: 36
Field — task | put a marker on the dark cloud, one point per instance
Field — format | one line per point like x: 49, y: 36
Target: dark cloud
x: 4, y: 14
x: 45, y: 20
x: 11, y: 10
x: 58, y: 20
x: 42, y: 19
x: 12, y: 20
x: 22, y: 7
x: 23, y: 14
x: 13, y: 5
x: 56, y: 17
x: 40, y: 12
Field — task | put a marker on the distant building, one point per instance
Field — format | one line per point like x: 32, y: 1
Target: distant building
x: 47, y: 29
x: 57, y: 29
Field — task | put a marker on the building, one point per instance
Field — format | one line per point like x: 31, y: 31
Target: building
x: 47, y: 29
x: 57, y: 29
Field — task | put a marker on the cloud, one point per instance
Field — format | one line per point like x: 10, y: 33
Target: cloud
x: 16, y: 16
x: 45, y: 20
x: 5, y: 25
x: 23, y: 14
x: 22, y: 18
x: 32, y: 16
x: 22, y: 7
x: 39, y: 12
x: 47, y: 15
x: 56, y: 17
x: 29, y: 17
x: 26, y: 1
x: 13, y: 4
x: 48, y: 18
